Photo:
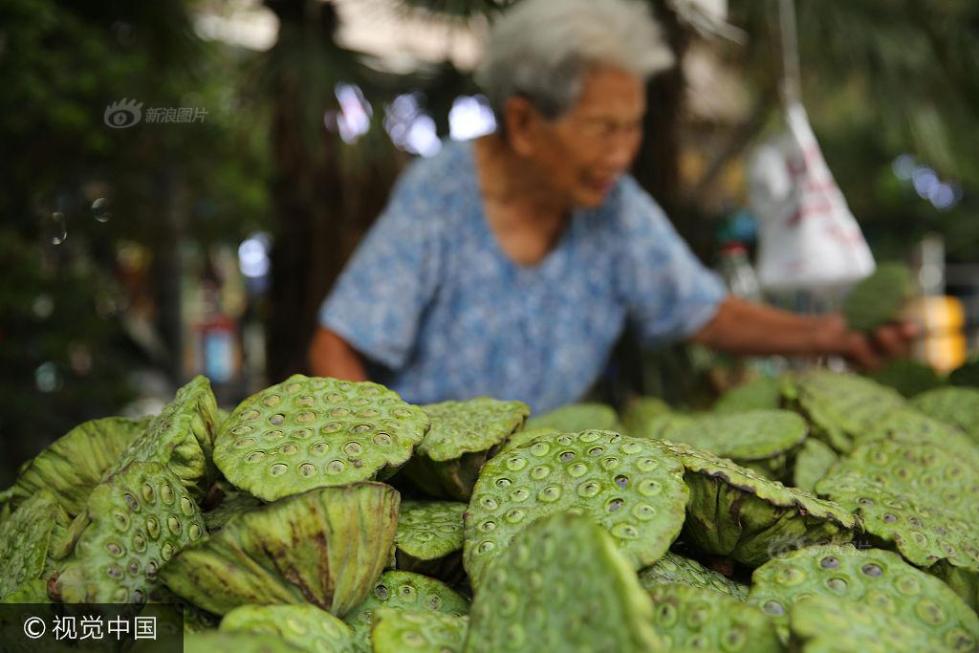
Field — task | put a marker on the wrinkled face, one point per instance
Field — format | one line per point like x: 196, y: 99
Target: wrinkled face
x: 582, y: 152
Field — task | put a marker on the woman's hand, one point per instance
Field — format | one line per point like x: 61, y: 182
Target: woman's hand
x: 742, y: 327
x: 867, y: 351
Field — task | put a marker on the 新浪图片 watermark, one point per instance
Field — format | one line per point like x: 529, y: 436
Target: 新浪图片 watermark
x: 128, y: 112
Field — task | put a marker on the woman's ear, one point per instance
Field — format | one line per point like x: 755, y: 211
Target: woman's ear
x: 522, y: 124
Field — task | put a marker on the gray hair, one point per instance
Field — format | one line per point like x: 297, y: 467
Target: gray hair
x: 541, y: 49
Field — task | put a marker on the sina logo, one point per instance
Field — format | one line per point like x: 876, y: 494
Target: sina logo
x: 123, y: 113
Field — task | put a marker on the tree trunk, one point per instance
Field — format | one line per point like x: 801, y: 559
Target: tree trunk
x: 307, y: 193
x: 657, y: 167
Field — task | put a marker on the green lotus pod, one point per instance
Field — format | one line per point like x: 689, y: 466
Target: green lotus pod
x: 922, y: 471
x: 31, y: 592
x: 921, y: 531
x: 136, y: 521
x: 324, y: 547
x: 233, y: 502
x: 705, y: 620
x: 870, y: 576
x: 758, y: 437
x: 395, y: 631
x: 840, y: 407
x: 640, y: 412
x: 577, y: 417
x: 216, y: 641
x: 966, y: 374
x: 561, y: 585
x: 73, y: 465
x: 404, y: 590
x: 674, y: 569
x: 908, y: 376
x: 909, y: 425
x: 428, y: 530
x: 879, y: 298
x: 956, y: 406
x: 25, y: 539
x: 463, y: 435
x: 313, y: 432
x: 522, y: 437
x: 735, y: 512
x: 664, y: 426
x: 813, y: 461
x: 763, y: 393
x: 195, y: 619
x: 820, y: 624
x: 627, y: 485
x: 963, y: 582
x: 180, y: 438
x: 304, y: 626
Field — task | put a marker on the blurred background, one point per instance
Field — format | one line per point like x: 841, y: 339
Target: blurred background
x: 182, y: 181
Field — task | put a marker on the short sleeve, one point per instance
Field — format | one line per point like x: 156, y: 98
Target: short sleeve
x: 377, y: 302
x: 669, y: 293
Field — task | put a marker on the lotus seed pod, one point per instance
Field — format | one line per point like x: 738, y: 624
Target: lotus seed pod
x: 577, y: 417
x: 705, y: 620
x: 523, y: 437
x: 840, y: 407
x: 180, y: 438
x: 131, y: 532
x: 758, y: 437
x: 397, y: 631
x: 630, y: 486
x: 763, y: 393
x: 909, y: 377
x: 872, y: 576
x: 304, y: 626
x: 463, y: 435
x: 674, y: 569
x: 428, y: 532
x: 921, y: 471
x: 735, y: 512
x: 530, y: 601
x: 403, y: 590
x: 217, y: 641
x: 73, y: 465
x: 820, y: 624
x: 955, y: 406
x: 879, y: 298
x: 233, y: 502
x: 909, y: 425
x: 25, y: 539
x: 640, y: 412
x: 195, y: 619
x: 313, y: 432
x: 33, y: 591
x: 814, y: 460
x: 324, y: 547
x: 921, y: 531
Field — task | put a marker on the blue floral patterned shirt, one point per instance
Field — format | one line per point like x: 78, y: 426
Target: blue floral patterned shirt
x: 431, y: 298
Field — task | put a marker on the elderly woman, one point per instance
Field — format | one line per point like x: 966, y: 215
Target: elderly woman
x: 509, y: 265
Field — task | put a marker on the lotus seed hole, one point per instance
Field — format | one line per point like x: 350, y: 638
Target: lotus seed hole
x: 871, y: 570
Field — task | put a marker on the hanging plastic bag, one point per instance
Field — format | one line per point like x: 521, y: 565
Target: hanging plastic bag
x: 809, y: 239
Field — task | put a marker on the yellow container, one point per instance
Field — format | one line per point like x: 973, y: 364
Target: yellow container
x: 941, y: 343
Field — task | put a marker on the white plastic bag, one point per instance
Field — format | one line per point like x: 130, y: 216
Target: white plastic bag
x: 809, y: 239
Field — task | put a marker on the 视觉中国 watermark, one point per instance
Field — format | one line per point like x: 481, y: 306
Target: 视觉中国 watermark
x: 126, y: 113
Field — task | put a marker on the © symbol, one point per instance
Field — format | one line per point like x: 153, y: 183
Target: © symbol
x: 34, y: 627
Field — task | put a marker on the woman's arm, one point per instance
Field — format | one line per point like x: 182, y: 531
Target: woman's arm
x: 330, y: 355
x: 742, y: 327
